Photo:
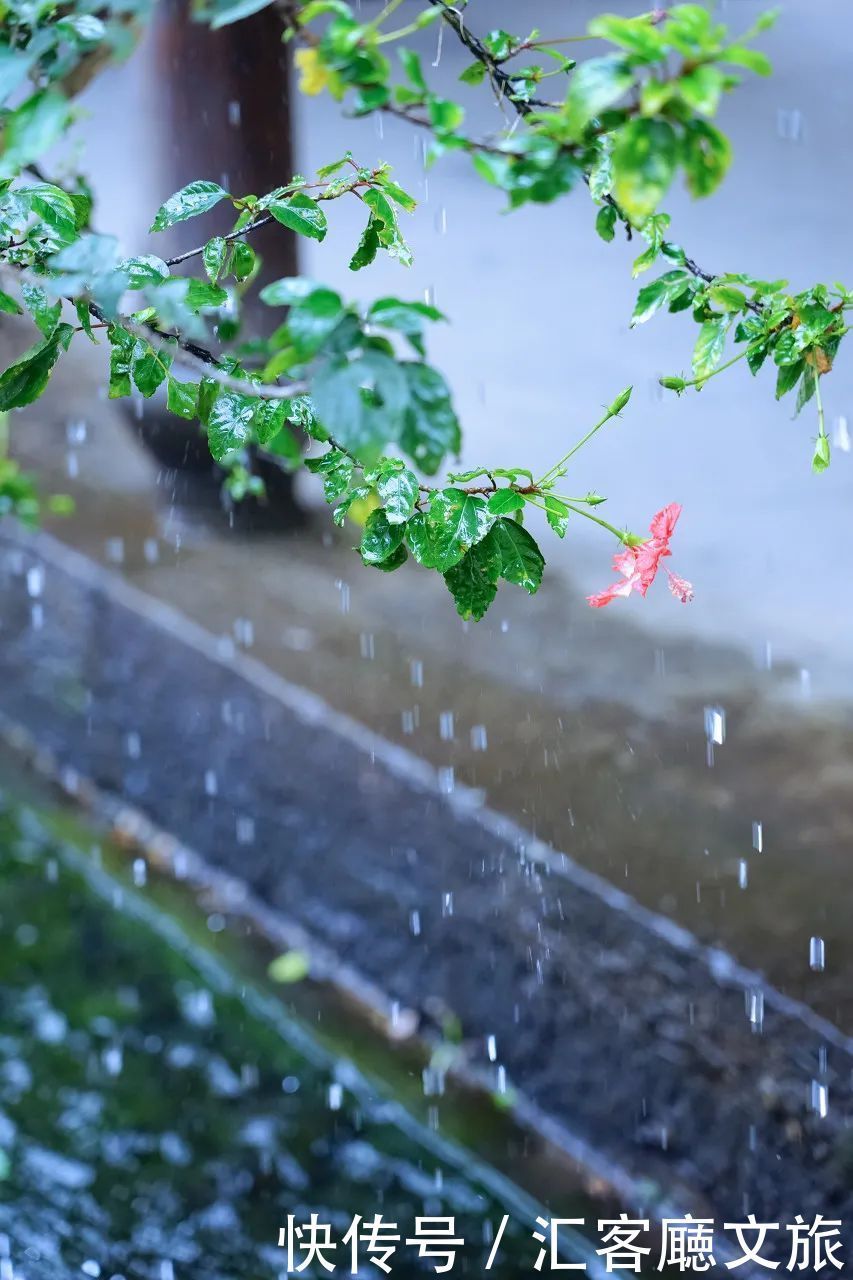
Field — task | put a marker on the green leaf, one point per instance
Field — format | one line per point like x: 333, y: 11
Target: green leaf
x: 336, y: 468
x: 398, y: 490
x: 8, y: 305
x: 557, y: 515
x: 54, y: 206
x: 636, y: 35
x: 726, y: 297
x: 44, y: 312
x: 645, y: 156
x: 213, y: 257
x: 148, y: 269
x: 285, y: 292
x: 313, y: 320
x: 201, y: 294
x: 702, y: 88
x: 752, y: 59
x: 788, y: 377
x: 149, y: 367
x: 189, y: 202
x: 182, y: 398
x: 430, y: 426
x: 595, y: 85
x: 32, y: 129
x: 521, y: 560
x: 121, y: 358
x: 706, y: 157
x: 709, y: 347
x: 473, y: 582
x: 25, y: 380
x: 404, y: 317
x: 605, y: 222
x: 458, y: 521
x: 301, y: 214
x: 243, y: 260
x: 385, y: 226
x: 422, y: 540
x: 380, y: 539
x: 657, y: 293
x: 412, y: 66
x: 368, y: 246
x: 505, y: 501
x: 474, y: 74
x: 230, y: 424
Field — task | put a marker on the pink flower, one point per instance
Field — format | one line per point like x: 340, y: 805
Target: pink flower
x: 639, y: 565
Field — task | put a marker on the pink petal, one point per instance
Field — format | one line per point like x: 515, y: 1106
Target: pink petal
x: 610, y: 593
x: 680, y: 587
x: 663, y: 524
x: 625, y: 562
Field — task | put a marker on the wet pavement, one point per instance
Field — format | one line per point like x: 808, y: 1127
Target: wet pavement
x: 693, y: 1079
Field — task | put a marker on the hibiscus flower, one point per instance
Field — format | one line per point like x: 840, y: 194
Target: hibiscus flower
x: 639, y: 565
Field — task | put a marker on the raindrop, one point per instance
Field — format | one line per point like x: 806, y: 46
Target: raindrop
x: 841, y: 434
x: 789, y: 124
x: 344, y: 593
x: 817, y: 954
x: 416, y: 673
x: 244, y: 632
x: 289, y: 1084
x: 234, y: 114
x: 501, y: 1080
x: 367, y: 643
x: 35, y: 581
x: 140, y: 872
x: 447, y: 904
x: 446, y: 780
x: 805, y: 682
x: 819, y: 1100
x: 440, y: 44
x: 715, y: 725
x: 755, y: 1008
x: 114, y: 548
x: 76, y: 431
x: 72, y: 466
x: 151, y: 550
x: 211, y: 784
x: 336, y: 1097
x: 743, y: 874
x: 415, y: 923
x: 492, y: 1048
x: 441, y: 221
x: 408, y: 721
x: 133, y: 745
x: 758, y: 836
x: 479, y: 738
x: 245, y: 829
x: 446, y: 726
x: 91, y: 1268
x: 504, y: 626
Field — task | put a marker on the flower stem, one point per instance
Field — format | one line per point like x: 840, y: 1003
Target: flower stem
x: 565, y: 458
